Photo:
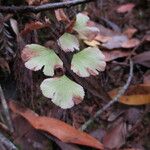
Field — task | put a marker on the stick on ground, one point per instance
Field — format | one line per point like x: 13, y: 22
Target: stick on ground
x: 44, y: 7
x: 115, y: 99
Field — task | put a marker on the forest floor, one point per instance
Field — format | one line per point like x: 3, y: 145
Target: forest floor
x: 122, y: 126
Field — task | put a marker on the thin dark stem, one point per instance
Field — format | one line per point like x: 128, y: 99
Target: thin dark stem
x: 44, y: 7
x: 115, y: 99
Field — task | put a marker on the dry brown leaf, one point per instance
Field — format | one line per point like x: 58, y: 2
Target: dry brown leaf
x: 92, y: 43
x: 142, y: 59
x: 111, y: 55
x: 147, y: 37
x: 130, y: 43
x: 115, y: 138
x: 61, y: 16
x: 102, y: 38
x: 147, y: 77
x: 34, y: 26
x: 135, y: 95
x: 112, y: 40
x: 57, y: 128
x: 125, y: 8
x: 129, y: 32
x: 115, y: 42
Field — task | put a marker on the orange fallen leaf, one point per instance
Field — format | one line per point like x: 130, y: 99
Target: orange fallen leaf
x: 130, y: 32
x: 59, y: 129
x: 130, y: 43
x: 135, y: 95
x: 136, y: 99
x: 102, y: 38
x: 34, y: 26
x: 125, y: 8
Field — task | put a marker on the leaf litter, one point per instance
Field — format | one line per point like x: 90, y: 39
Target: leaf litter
x: 116, y: 46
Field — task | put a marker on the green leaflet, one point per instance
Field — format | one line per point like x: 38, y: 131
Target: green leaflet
x: 37, y: 56
x: 88, y: 62
x: 81, y: 21
x: 68, y: 42
x: 63, y: 92
x: 81, y: 26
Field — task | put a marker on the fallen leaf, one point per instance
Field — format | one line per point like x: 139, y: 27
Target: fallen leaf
x: 99, y: 133
x: 129, y: 32
x: 112, y: 40
x: 115, y: 42
x: 111, y: 55
x: 68, y: 42
x: 57, y: 128
x: 147, y: 77
x: 135, y: 95
x: 63, y: 91
x: 142, y: 59
x: 60, y: 15
x: 115, y: 138
x: 92, y: 43
x: 132, y: 115
x: 130, y: 43
x: 88, y: 62
x: 27, y: 137
x: 34, y: 26
x: 103, y: 31
x: 102, y: 38
x: 147, y: 37
x: 125, y: 8
x: 36, y: 56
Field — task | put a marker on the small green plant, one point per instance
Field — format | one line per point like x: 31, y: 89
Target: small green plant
x: 89, y: 61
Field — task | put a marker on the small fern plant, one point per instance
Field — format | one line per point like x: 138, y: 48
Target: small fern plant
x: 61, y: 90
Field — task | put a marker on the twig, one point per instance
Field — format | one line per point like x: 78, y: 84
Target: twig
x: 44, y: 7
x: 115, y: 99
x: 7, y: 143
x: 6, y: 110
